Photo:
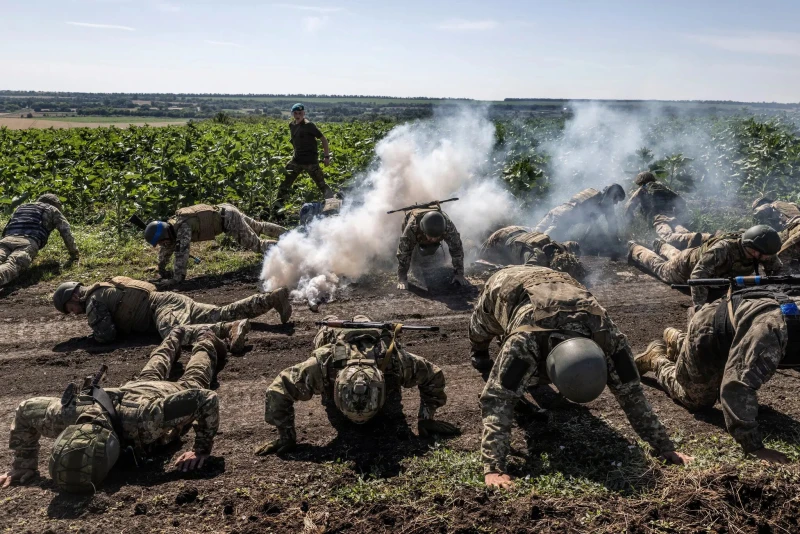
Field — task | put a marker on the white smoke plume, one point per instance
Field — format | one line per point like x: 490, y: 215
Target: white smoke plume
x: 418, y: 162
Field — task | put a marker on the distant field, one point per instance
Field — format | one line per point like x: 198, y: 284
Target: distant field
x: 84, y: 122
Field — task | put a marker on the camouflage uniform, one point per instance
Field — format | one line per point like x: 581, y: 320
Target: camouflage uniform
x: 582, y: 209
x: 26, y: 234
x: 151, y: 411
x: 676, y: 234
x: 653, y: 199
x: 518, y: 245
x: 720, y: 257
x: 704, y: 369
x: 776, y: 214
x: 413, y: 235
x: 126, y: 306
x: 316, y: 375
x: 531, y: 308
x: 203, y: 223
x: 790, y: 237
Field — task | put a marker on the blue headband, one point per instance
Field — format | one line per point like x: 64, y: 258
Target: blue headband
x: 159, y: 230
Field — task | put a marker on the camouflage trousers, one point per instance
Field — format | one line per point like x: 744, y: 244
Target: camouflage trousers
x: 671, y: 271
x: 197, y: 374
x: 245, y: 230
x: 293, y: 170
x: 677, y: 235
x: 16, y: 254
x: 174, y: 309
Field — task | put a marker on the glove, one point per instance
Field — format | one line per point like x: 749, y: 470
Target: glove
x: 459, y: 280
x: 426, y: 427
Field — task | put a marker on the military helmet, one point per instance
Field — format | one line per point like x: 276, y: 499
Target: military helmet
x: 53, y: 200
x: 577, y: 367
x: 613, y: 193
x: 568, y: 263
x: 762, y: 238
x: 761, y: 200
x: 645, y: 177
x: 359, y: 390
x: 63, y: 294
x: 155, y: 231
x: 433, y: 224
x: 82, y: 456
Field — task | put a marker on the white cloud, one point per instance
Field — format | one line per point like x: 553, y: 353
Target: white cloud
x: 223, y: 43
x: 101, y: 26
x: 168, y: 8
x: 314, y: 24
x: 316, y: 9
x: 776, y: 44
x: 468, y: 25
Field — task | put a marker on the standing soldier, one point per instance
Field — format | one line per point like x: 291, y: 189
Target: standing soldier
x: 581, y: 210
x: 719, y: 257
x: 125, y: 306
x: 93, y: 426
x: 303, y: 136
x: 203, y: 223
x: 27, y: 233
x: 425, y: 229
x: 355, y: 370
x: 775, y: 213
x: 653, y: 198
x: 519, y: 245
x: 552, y: 329
x: 731, y: 348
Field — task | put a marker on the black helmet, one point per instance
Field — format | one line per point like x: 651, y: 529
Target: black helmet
x: 433, y: 224
x: 762, y: 238
x: 613, y: 193
x: 155, y: 231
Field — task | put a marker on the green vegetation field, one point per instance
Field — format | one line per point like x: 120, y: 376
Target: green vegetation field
x: 110, y: 120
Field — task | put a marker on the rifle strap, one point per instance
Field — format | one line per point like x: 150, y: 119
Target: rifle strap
x: 101, y: 397
x: 390, y: 352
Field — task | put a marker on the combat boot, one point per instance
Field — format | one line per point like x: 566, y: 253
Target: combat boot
x: 237, y: 334
x: 674, y: 339
x: 220, y: 348
x: 646, y: 361
x: 279, y: 299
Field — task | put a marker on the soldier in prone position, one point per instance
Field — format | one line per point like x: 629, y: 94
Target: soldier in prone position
x: 774, y: 213
x: 719, y: 257
x: 27, y: 233
x: 356, y: 370
x: 730, y: 349
x: 583, y: 209
x: 425, y: 229
x: 203, y: 223
x: 676, y: 235
x: 552, y: 329
x: 519, y: 245
x: 124, y: 306
x: 92, y: 428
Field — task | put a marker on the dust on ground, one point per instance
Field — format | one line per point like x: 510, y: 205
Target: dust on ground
x: 382, y: 477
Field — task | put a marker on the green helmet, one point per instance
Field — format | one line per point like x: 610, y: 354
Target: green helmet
x: 762, y: 238
x: 577, y: 367
x: 359, y: 390
x: 82, y: 456
x: 63, y: 294
x: 645, y: 177
x: 568, y: 263
x: 53, y: 200
x: 433, y: 224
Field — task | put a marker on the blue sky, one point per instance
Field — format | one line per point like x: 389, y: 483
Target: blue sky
x: 721, y: 50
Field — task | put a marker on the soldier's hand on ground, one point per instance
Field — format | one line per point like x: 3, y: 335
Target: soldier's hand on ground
x: 427, y: 427
x: 190, y: 460
x: 276, y: 446
x: 677, y: 458
x: 771, y: 456
x: 459, y: 280
x: 16, y: 475
x: 497, y: 480
x: 402, y: 284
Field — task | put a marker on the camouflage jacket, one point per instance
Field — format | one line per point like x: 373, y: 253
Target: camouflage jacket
x: 517, y: 245
x: 151, y: 413
x: 655, y: 199
x: 112, y: 310
x: 412, y: 235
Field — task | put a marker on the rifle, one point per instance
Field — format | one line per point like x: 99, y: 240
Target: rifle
x: 140, y: 224
x: 489, y: 266
x: 430, y: 204
x: 741, y: 281
x: 383, y: 326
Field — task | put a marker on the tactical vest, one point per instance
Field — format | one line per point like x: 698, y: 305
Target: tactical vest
x: 724, y: 330
x: 417, y: 215
x: 786, y: 209
x: 205, y: 221
x: 535, y: 240
x: 346, y: 344
x: 28, y: 221
x: 584, y: 196
x: 134, y: 307
x: 503, y: 234
x: 662, y: 197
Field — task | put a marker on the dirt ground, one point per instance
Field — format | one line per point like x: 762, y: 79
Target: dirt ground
x: 306, y: 490
x: 24, y: 124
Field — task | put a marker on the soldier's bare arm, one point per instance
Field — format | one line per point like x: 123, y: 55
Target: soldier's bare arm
x: 101, y: 321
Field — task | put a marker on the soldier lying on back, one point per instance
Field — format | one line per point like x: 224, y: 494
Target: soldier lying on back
x: 91, y: 428
x: 730, y: 349
x: 552, y: 329
x: 125, y: 306
x: 356, y: 370
x: 27, y: 233
x: 203, y: 223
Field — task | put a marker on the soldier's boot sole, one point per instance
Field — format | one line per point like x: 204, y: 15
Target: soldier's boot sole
x: 646, y: 361
x: 282, y: 304
x: 238, y: 335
